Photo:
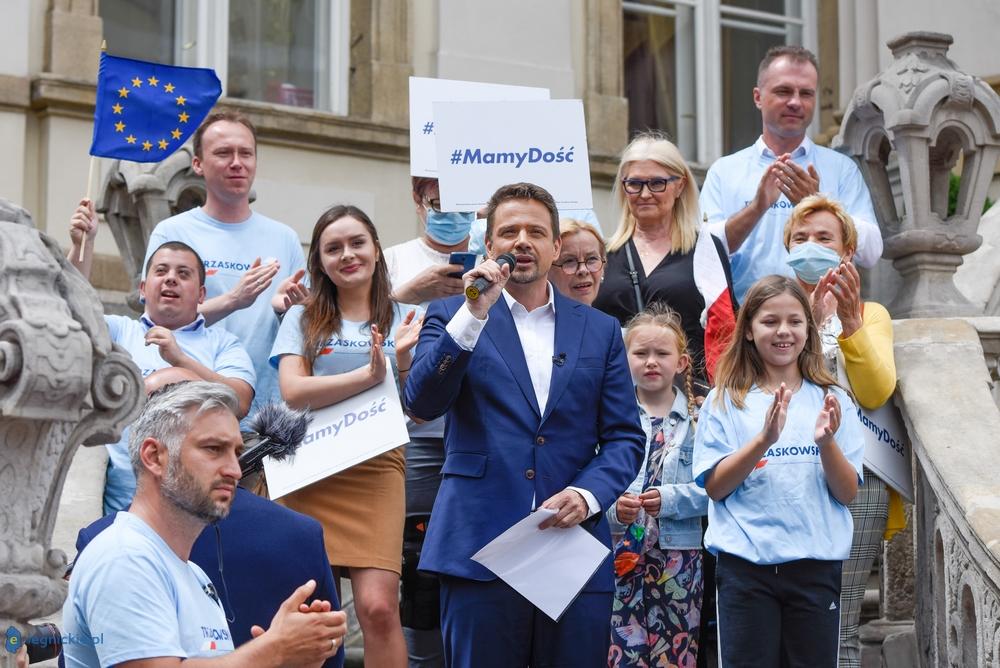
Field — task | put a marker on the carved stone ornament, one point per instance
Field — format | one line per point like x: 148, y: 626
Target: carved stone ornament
x: 930, y: 115
x: 62, y: 383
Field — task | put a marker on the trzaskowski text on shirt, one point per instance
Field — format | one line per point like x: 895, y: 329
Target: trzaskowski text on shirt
x: 783, y: 510
x: 344, y: 351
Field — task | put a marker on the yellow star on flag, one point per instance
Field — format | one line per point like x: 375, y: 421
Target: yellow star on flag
x: 137, y: 82
x: 153, y: 81
x: 175, y: 133
x: 162, y: 144
x: 183, y: 116
x: 130, y: 139
x: 119, y: 126
x: 146, y: 145
x: 181, y: 100
x: 117, y: 108
x: 123, y: 92
x: 169, y: 88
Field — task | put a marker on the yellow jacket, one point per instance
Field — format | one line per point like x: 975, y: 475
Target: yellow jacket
x: 871, y: 371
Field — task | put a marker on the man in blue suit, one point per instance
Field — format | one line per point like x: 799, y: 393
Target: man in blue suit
x: 541, y: 413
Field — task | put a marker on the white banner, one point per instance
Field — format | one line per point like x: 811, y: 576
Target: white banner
x: 342, y: 435
x: 423, y: 126
x: 887, y: 446
x: 484, y: 145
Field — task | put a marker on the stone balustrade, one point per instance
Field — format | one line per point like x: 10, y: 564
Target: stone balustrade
x: 948, y: 394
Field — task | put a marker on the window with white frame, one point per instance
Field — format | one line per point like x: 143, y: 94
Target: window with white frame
x: 291, y: 52
x: 691, y: 66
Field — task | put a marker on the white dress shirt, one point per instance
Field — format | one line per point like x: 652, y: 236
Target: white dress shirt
x: 537, y: 331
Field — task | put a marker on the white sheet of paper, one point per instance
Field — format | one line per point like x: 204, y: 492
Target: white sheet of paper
x: 342, y: 435
x: 484, y: 145
x: 424, y: 92
x: 548, y: 567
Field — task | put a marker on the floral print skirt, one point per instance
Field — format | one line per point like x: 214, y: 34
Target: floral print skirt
x: 657, y: 608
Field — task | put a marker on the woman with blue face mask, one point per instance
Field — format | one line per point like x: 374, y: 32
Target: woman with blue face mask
x: 821, y: 239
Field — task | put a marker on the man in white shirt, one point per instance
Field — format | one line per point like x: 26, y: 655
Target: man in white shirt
x: 541, y: 413
x: 748, y: 195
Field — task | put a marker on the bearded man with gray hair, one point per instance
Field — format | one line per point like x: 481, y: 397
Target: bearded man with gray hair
x: 135, y: 600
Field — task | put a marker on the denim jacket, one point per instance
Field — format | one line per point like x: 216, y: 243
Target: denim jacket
x: 682, y: 502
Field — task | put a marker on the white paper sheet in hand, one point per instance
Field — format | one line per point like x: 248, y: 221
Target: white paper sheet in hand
x: 548, y: 567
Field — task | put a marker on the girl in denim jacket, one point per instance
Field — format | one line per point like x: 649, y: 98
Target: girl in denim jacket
x: 657, y: 522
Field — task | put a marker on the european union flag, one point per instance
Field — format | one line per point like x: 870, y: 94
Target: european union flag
x: 146, y: 111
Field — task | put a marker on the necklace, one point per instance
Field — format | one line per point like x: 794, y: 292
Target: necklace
x: 771, y: 390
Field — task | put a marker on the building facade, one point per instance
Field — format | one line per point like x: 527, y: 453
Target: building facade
x: 326, y: 81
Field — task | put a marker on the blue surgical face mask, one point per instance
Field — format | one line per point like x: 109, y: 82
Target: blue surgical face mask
x: 810, y: 261
x: 477, y: 237
x: 449, y: 229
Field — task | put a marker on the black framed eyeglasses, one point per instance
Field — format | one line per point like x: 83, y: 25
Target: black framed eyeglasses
x: 433, y: 204
x: 635, y: 186
x: 571, y: 265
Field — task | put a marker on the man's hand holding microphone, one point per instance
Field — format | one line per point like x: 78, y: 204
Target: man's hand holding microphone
x: 484, y: 283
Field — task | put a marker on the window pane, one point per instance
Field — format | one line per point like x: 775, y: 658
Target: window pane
x: 273, y: 51
x: 771, y: 6
x: 141, y: 29
x: 742, y: 51
x: 659, y: 75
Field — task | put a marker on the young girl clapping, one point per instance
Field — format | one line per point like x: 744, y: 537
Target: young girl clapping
x: 658, y: 591
x: 779, y: 450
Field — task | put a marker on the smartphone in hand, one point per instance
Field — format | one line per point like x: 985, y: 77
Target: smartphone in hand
x: 467, y: 260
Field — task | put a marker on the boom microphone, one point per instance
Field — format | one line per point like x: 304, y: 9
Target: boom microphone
x: 275, y: 431
x: 478, y: 286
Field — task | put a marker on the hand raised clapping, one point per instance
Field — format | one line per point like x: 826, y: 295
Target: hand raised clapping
x: 828, y: 421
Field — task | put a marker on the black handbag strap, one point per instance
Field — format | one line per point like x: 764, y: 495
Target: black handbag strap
x: 634, y: 275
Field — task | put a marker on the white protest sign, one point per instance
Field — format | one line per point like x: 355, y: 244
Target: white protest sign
x: 484, y: 145
x: 887, y: 446
x: 425, y: 92
x: 340, y: 436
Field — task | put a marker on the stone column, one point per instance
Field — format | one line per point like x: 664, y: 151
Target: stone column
x: 928, y: 113
x: 604, y: 102
x: 380, y: 61
x: 73, y: 31
x: 62, y: 383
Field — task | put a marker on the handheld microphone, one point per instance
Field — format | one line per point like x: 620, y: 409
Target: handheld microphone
x: 275, y: 431
x: 479, y: 285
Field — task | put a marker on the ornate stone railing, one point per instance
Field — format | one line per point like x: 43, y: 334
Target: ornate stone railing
x: 947, y: 393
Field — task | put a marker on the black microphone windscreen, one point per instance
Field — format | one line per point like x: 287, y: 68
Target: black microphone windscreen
x: 275, y: 431
x: 507, y: 259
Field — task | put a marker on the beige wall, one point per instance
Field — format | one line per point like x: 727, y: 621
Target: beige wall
x: 295, y: 186
x: 973, y: 23
x: 519, y: 42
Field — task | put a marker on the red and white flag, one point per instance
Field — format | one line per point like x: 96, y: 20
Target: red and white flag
x: 719, y: 316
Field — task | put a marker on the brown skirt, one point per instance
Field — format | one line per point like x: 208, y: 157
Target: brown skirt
x: 361, y: 510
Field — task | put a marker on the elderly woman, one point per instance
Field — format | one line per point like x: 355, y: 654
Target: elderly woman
x: 651, y: 255
x: 821, y: 239
x: 579, y: 269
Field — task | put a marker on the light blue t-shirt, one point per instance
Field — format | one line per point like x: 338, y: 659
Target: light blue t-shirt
x: 213, y: 347
x: 347, y: 351
x: 731, y: 184
x: 783, y: 510
x: 228, y: 250
x: 131, y: 597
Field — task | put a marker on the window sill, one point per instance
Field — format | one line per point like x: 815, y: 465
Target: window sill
x: 276, y: 124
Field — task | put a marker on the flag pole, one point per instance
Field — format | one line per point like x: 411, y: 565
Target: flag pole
x: 90, y: 171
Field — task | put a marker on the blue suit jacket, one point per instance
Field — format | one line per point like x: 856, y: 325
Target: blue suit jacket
x: 268, y: 551
x: 501, y: 453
